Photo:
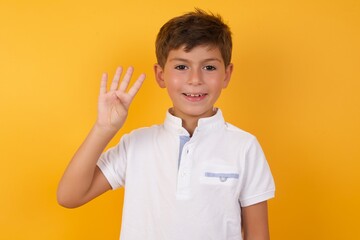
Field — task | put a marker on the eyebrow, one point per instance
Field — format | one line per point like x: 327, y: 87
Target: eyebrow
x: 186, y: 60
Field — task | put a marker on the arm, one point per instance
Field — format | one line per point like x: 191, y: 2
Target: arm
x: 255, y: 222
x: 83, y: 180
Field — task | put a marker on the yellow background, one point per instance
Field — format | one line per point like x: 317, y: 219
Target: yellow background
x: 295, y: 86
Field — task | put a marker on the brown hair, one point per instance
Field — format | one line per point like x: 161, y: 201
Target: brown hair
x: 191, y: 30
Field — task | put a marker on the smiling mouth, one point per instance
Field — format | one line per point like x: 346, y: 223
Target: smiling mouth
x: 196, y: 95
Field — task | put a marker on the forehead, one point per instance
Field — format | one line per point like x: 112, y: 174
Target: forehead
x: 196, y: 54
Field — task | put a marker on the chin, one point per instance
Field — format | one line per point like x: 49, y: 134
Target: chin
x: 195, y: 112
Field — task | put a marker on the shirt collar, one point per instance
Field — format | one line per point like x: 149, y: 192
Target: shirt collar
x: 174, y: 124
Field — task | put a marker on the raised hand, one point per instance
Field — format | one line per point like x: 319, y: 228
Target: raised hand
x: 113, y: 105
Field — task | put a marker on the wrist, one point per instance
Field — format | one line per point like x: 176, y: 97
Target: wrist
x: 104, y: 131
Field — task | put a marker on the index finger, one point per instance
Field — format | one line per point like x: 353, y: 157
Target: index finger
x: 103, y: 83
x: 136, y: 86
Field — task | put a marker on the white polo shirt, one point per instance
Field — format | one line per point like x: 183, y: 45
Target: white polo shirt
x: 195, y: 194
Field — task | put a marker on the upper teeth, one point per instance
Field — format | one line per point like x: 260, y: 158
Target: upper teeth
x: 194, y: 95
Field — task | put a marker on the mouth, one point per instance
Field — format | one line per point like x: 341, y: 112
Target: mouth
x: 195, y: 97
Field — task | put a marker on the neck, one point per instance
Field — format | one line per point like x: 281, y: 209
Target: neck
x: 190, y: 125
x: 190, y: 122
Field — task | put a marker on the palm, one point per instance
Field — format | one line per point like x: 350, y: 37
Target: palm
x: 113, y: 105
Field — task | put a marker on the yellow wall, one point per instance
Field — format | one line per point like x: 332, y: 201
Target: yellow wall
x: 296, y: 86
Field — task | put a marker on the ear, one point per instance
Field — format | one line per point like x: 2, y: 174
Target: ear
x: 159, y: 75
x: 228, y: 72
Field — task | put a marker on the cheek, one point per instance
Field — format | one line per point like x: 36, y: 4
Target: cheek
x: 172, y: 86
x: 216, y: 84
x: 219, y: 81
x: 173, y: 81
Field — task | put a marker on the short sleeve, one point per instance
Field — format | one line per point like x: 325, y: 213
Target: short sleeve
x: 112, y: 163
x: 257, y: 181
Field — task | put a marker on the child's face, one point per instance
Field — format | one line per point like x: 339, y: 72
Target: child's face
x: 194, y: 80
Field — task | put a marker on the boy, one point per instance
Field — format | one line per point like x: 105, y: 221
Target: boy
x: 193, y: 177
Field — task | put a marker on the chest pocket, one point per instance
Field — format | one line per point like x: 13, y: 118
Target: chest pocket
x: 219, y: 175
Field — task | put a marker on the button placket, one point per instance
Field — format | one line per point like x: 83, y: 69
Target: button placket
x: 184, y: 174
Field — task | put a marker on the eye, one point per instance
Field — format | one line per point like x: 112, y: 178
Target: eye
x: 210, y: 68
x: 181, y: 67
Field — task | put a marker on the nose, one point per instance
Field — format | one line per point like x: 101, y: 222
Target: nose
x: 195, y: 77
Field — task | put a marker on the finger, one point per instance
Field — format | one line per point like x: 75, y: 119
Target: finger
x: 137, y: 85
x: 125, y: 81
x: 103, y: 83
x: 115, y: 81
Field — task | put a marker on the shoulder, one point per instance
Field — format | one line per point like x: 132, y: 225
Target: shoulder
x: 235, y: 139
x: 143, y: 133
x: 145, y: 130
x: 238, y: 133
